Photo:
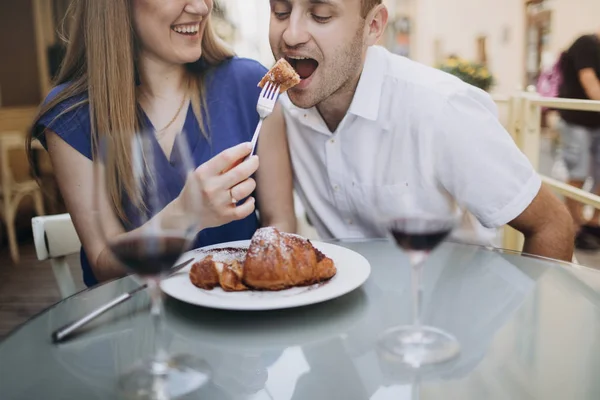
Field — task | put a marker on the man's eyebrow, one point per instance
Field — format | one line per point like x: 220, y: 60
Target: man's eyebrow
x: 331, y: 3
x: 289, y: 2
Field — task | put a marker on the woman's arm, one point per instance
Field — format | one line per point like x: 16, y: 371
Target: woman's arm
x: 74, y: 175
x: 274, y: 184
x: 207, y: 192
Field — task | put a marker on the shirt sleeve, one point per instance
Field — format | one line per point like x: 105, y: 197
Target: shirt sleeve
x: 478, y: 161
x: 69, y: 120
x: 584, y: 53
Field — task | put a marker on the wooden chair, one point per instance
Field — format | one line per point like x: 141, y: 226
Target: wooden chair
x: 13, y: 191
x: 55, y: 238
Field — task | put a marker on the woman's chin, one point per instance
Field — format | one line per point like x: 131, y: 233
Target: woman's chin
x: 189, y: 58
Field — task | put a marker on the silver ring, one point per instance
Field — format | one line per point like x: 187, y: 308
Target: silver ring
x: 233, y: 200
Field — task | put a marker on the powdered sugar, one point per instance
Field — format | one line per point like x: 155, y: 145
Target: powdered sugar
x: 268, y: 234
x: 228, y: 254
x: 270, y: 238
x: 296, y: 236
x: 263, y: 239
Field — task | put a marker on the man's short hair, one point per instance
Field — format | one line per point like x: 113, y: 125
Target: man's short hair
x: 367, y: 5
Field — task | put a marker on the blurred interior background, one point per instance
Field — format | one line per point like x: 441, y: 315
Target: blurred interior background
x: 514, y: 39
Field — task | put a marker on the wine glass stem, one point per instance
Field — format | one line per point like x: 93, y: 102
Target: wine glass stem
x: 416, y: 388
x: 159, y: 364
x: 416, y: 261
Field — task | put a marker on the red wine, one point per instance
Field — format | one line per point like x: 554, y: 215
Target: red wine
x: 420, y: 234
x: 148, y: 255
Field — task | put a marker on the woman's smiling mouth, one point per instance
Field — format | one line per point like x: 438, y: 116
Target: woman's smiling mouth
x: 191, y: 29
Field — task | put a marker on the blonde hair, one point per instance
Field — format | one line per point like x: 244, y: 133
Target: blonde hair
x: 100, y: 61
x: 367, y: 5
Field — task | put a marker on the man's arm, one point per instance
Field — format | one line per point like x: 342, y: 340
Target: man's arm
x: 484, y: 170
x: 547, y: 226
x: 590, y: 82
x: 274, y: 184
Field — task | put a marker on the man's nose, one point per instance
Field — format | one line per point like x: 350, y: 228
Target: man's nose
x: 198, y: 7
x: 295, y: 33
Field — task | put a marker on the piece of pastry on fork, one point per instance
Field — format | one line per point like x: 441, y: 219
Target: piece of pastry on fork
x: 282, y: 74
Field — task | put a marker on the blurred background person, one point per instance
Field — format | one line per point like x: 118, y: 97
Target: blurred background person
x: 580, y: 130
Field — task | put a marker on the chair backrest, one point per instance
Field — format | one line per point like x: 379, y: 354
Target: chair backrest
x: 54, y: 236
x: 11, y: 140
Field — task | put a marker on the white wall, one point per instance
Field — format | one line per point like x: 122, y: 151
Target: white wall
x: 572, y: 18
x: 458, y: 23
x: 251, y: 17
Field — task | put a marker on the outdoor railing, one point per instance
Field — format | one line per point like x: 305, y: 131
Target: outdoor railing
x: 523, y: 118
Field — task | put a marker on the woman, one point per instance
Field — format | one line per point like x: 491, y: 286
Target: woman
x: 158, y: 65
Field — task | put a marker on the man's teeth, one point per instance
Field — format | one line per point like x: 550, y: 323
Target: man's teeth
x: 187, y: 28
x: 299, y: 58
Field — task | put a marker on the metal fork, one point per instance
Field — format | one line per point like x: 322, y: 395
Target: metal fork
x: 264, y: 107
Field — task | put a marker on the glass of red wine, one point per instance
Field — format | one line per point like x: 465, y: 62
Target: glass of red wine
x: 146, y: 235
x: 418, y: 227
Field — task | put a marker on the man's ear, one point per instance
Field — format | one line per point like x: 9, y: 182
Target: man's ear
x: 376, y: 22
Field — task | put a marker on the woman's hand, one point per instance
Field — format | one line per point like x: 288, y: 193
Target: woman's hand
x: 212, y: 191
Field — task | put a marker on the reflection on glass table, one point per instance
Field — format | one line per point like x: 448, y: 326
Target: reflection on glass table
x: 527, y: 328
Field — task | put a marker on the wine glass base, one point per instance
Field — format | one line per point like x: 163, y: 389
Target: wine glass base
x: 181, y: 375
x: 420, y: 346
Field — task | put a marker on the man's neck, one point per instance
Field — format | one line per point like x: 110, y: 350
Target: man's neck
x: 160, y: 80
x: 334, y: 108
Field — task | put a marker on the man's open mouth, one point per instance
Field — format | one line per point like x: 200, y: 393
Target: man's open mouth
x: 304, y: 66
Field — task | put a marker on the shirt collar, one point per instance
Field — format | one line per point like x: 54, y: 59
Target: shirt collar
x: 367, y: 97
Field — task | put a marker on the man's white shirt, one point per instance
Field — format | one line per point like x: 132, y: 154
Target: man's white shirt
x: 405, y: 119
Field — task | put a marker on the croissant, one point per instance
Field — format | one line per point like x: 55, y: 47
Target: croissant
x: 277, y: 260
x: 222, y: 268
x: 274, y: 261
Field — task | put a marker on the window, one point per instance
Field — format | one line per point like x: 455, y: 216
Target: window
x: 482, y: 50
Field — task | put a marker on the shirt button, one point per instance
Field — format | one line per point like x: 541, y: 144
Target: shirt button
x: 332, y: 141
x: 350, y: 222
x: 336, y: 188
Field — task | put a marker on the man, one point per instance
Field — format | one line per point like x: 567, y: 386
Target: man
x: 365, y: 126
x: 580, y: 130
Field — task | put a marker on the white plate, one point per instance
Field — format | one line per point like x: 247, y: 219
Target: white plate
x: 352, y: 271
